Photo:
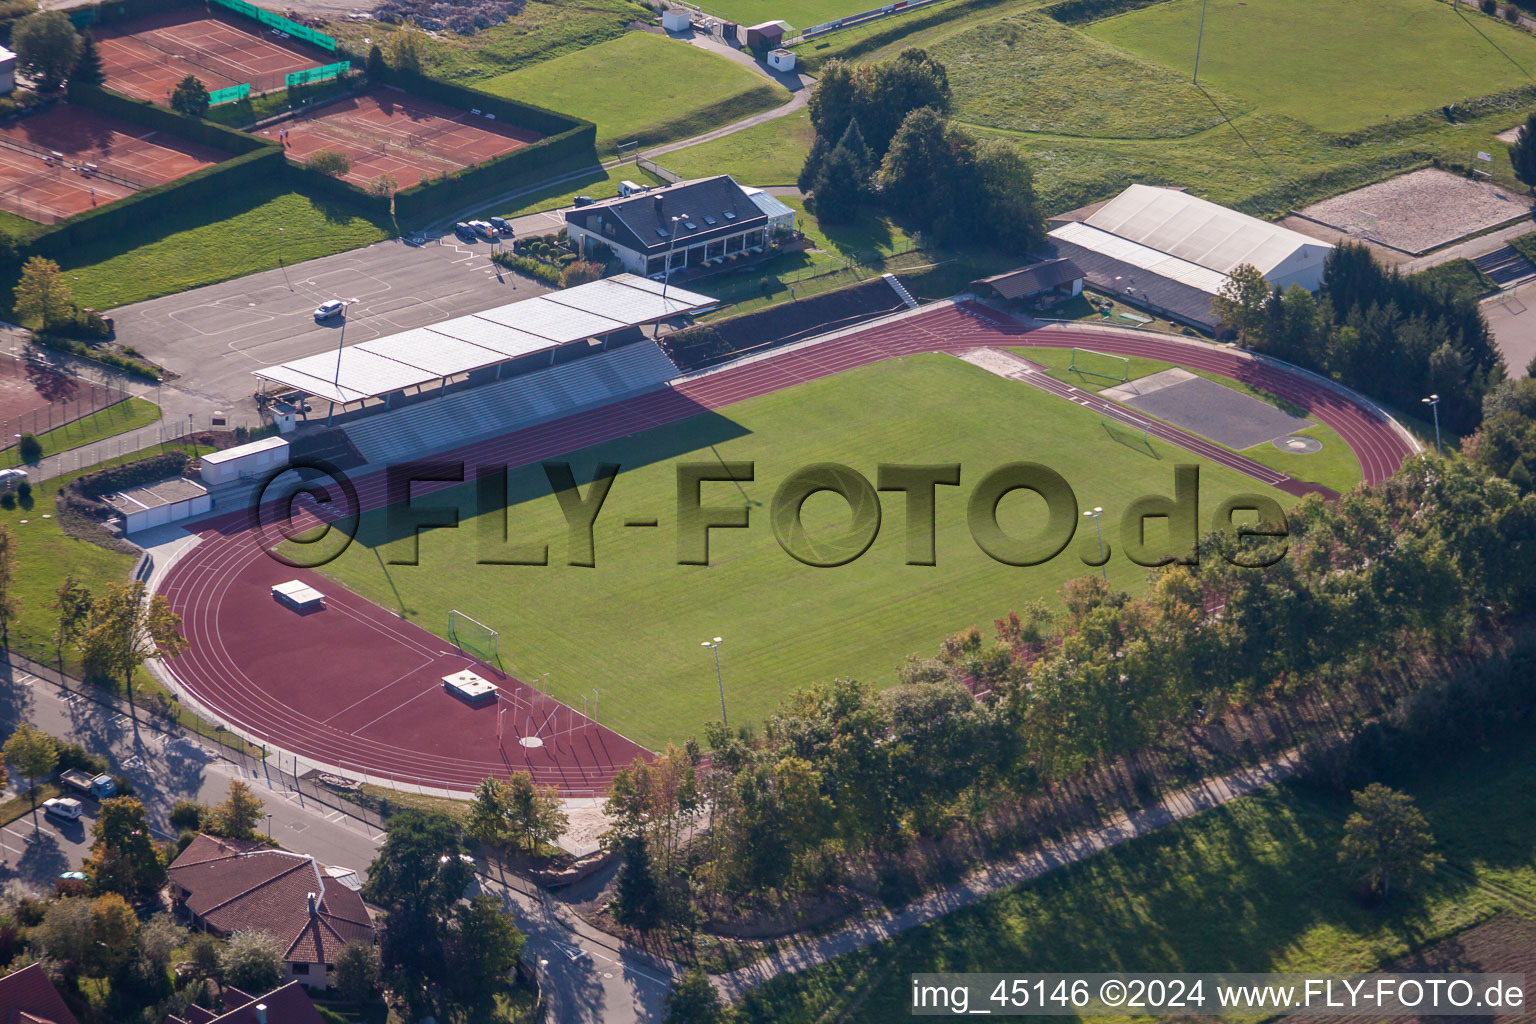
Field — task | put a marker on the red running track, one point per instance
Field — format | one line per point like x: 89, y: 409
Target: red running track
x: 357, y: 688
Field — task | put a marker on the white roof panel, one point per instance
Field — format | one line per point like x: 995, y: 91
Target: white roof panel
x: 1160, y: 263
x: 431, y: 351
x: 496, y: 337
x: 619, y: 301
x: 1198, y: 231
x: 560, y: 324
x: 645, y: 284
x: 361, y: 371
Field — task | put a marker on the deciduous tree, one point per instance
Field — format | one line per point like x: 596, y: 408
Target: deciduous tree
x: 239, y: 814
x: 1522, y: 152
x: 47, y: 48
x: 125, y: 630
x: 252, y: 961
x: 73, y: 604
x: 1387, y: 840
x: 42, y: 297
x: 406, y: 48
x: 35, y: 755
x: 191, y: 97
x: 693, y: 1000
x: 1239, y: 305
x: 9, y: 605
x: 123, y: 857
x: 357, y: 967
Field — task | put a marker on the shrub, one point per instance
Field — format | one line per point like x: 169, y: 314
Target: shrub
x: 7, y: 501
x: 1511, y: 13
x: 528, y: 266
x: 73, y: 755
x: 1489, y: 6
x: 187, y: 814
x: 30, y: 449
x: 330, y: 162
x: 579, y: 272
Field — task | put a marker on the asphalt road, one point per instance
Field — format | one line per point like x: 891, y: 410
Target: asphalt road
x: 216, y: 335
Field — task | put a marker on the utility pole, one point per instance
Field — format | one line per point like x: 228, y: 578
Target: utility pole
x: 1198, y: 40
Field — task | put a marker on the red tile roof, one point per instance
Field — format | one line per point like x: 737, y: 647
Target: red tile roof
x: 28, y: 997
x: 234, y: 887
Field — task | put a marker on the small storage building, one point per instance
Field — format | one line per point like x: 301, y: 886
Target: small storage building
x: 781, y: 59
x: 248, y: 460
x: 165, y: 501
x: 675, y: 20
x: 1048, y: 280
x: 7, y: 71
x: 766, y: 36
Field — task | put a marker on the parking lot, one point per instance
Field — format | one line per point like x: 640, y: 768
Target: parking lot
x: 215, y: 336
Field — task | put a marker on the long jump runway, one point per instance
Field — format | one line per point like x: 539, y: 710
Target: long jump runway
x: 358, y: 688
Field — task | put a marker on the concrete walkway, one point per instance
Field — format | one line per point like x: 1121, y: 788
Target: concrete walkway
x: 1023, y: 868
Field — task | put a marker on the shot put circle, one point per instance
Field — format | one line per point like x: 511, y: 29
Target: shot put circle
x: 1298, y: 444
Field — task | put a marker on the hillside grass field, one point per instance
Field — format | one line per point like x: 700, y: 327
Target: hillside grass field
x: 770, y: 153
x: 1340, y: 68
x: 1287, y: 120
x: 1335, y: 466
x: 644, y: 87
x: 631, y: 626
x: 1254, y: 885
x: 216, y: 241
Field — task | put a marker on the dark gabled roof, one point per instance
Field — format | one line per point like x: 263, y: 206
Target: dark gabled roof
x: 235, y: 886
x: 28, y: 997
x: 643, y: 223
x: 1033, y: 278
x: 1140, y: 287
x: 287, y: 1005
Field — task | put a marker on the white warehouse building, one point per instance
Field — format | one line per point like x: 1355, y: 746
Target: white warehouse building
x: 1169, y: 250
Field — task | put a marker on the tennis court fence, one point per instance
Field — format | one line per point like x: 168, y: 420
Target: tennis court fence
x: 92, y: 170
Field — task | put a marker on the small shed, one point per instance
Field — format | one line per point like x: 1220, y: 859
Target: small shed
x: 676, y: 19
x: 7, y: 71
x: 246, y: 460
x: 768, y: 35
x: 164, y: 501
x: 1050, y: 279
x: 781, y: 59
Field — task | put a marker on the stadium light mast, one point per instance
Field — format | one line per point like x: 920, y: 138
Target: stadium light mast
x: 1433, y: 401
x: 1198, y: 40
x: 715, y: 647
x: 346, y: 304
x: 666, y: 277
x: 1097, y: 515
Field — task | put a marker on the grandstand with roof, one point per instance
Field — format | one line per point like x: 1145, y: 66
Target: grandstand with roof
x: 1170, y: 252
x: 491, y: 372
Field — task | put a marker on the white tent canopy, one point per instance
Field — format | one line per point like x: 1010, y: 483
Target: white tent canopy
x: 415, y: 357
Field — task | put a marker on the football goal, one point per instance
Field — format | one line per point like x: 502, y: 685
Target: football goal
x: 1100, y: 364
x: 473, y: 636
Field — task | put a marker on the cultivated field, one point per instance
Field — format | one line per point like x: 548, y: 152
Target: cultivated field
x: 643, y: 86
x: 1254, y: 885
x: 631, y: 626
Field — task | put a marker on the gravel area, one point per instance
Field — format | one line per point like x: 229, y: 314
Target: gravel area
x: 1419, y: 211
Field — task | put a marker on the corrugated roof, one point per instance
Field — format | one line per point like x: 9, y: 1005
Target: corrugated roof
x: 1198, y: 231
x: 1144, y: 257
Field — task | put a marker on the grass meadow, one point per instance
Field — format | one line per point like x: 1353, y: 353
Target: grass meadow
x: 642, y: 86
x: 118, y: 418
x: 770, y: 153
x: 1254, y: 885
x: 631, y: 626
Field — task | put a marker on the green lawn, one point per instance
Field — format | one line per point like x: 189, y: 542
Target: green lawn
x: 1335, y: 466
x: 1027, y: 73
x: 109, y: 422
x: 599, y: 183
x: 643, y: 86
x: 1340, y: 68
x: 17, y: 226
x: 208, y: 243
x: 1254, y: 885
x: 541, y: 30
x: 631, y: 626
x: 770, y: 153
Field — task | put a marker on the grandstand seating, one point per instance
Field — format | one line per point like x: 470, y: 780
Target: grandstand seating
x: 436, y: 424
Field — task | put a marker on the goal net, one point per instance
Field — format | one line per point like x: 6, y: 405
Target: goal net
x: 473, y: 636
x: 1100, y: 364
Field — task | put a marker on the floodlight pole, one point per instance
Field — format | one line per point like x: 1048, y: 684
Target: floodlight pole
x: 666, y: 277
x: 1433, y: 401
x: 346, y: 304
x: 1096, y: 515
x: 715, y: 647
x: 1198, y: 40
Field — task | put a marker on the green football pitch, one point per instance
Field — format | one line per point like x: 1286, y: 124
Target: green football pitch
x: 631, y: 626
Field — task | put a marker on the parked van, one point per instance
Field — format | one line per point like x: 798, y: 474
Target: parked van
x: 629, y: 188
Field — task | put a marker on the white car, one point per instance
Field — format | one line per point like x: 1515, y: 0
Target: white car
x: 328, y: 309
x: 11, y: 477
x: 482, y: 228
x: 66, y: 807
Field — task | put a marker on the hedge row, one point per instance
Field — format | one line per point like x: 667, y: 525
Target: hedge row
x: 164, y: 119
x: 132, y: 474
x: 258, y: 161
x: 315, y: 181
x: 110, y: 11
x: 525, y: 166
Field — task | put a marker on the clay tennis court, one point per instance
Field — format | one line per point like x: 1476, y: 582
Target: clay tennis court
x: 386, y: 130
x: 42, y: 187
x: 147, y: 56
x: 35, y: 398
